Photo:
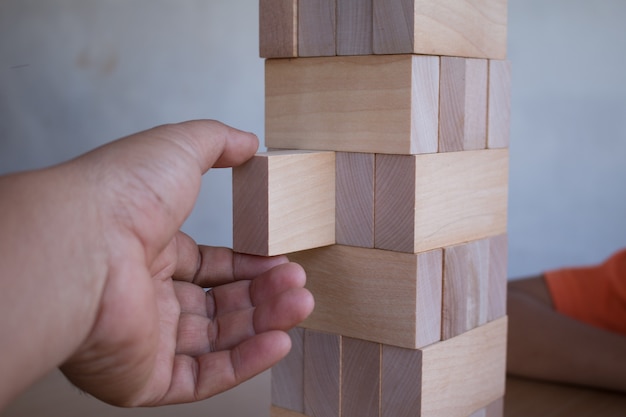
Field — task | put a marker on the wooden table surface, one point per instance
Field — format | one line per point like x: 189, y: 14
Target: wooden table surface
x: 526, y: 398
x: 53, y: 396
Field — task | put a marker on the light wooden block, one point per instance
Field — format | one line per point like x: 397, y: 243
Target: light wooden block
x: 463, y: 104
x: 432, y: 201
x: 465, y: 287
x: 278, y: 28
x: 284, y: 201
x: 464, y: 28
x: 316, y: 27
x: 499, y: 113
x: 498, y: 279
x: 282, y: 412
x: 380, y: 296
x: 369, y: 104
x: 354, y: 27
x: 322, y: 368
x: 360, y: 378
x: 447, y: 379
x: 288, y: 375
x: 355, y: 199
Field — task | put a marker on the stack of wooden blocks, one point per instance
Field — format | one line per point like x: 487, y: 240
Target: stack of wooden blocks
x: 388, y: 128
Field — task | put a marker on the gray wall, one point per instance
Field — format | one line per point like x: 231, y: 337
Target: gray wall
x: 77, y: 73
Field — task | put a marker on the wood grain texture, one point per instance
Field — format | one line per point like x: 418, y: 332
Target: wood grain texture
x: 283, y: 412
x: 498, y: 257
x: 499, y: 108
x: 463, y: 104
x: 354, y: 27
x: 284, y: 201
x: 463, y: 28
x: 316, y: 27
x: 464, y: 373
x: 360, y: 378
x: 278, y: 28
x: 380, y: 296
x: 465, y: 287
x: 368, y: 104
x: 355, y: 199
x: 436, y: 200
x: 288, y: 375
x: 322, y: 369
x: 401, y: 382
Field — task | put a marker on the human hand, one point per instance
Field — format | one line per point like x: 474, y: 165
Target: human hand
x: 158, y: 337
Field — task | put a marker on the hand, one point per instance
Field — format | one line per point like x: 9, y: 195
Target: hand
x: 157, y: 337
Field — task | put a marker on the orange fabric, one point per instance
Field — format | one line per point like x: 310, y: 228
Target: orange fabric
x: 594, y: 295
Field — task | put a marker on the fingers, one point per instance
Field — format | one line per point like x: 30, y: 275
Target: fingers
x: 209, y: 266
x: 228, y: 314
x: 212, y: 143
x: 198, y: 378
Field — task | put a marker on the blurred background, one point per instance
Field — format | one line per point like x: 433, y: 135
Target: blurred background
x: 75, y: 74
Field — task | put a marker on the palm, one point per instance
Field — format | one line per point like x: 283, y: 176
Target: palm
x: 159, y: 338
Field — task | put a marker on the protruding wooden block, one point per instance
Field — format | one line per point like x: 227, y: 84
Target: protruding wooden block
x: 447, y: 379
x: 283, y: 412
x: 370, y: 104
x: 432, y: 201
x: 355, y: 199
x: 465, y: 287
x: 499, y: 113
x: 278, y: 28
x: 354, y: 27
x: 322, y: 368
x: 284, y: 201
x: 360, y: 378
x: 380, y: 296
x: 463, y: 104
x: 316, y: 27
x: 464, y: 28
x: 288, y: 375
x: 498, y: 248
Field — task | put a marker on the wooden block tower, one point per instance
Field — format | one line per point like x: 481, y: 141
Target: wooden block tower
x: 388, y: 124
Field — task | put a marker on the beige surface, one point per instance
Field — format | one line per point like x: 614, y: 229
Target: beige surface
x: 284, y: 201
x: 468, y: 28
x: 372, y: 104
x: 380, y: 296
x: 436, y: 200
x: 499, y: 106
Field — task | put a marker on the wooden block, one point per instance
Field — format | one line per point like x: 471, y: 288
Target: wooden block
x: 432, y: 201
x: 278, y: 28
x: 316, y: 27
x: 499, y: 113
x: 446, y: 379
x: 463, y: 28
x: 463, y: 104
x: 355, y: 199
x: 380, y: 296
x: 282, y: 412
x: 360, y: 378
x: 465, y: 287
x: 369, y: 104
x: 354, y: 27
x: 322, y: 367
x: 288, y: 375
x: 498, y: 248
x: 283, y: 202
